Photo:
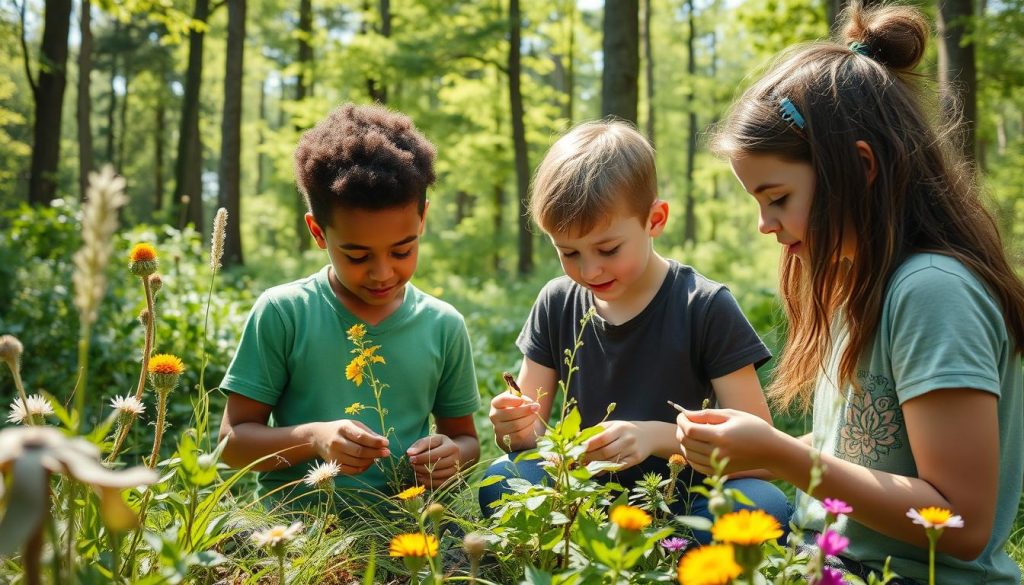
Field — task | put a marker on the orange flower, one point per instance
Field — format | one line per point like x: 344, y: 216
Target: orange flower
x: 166, y: 363
x: 143, y: 260
x: 411, y: 492
x: 746, y: 527
x: 630, y: 518
x: 143, y: 253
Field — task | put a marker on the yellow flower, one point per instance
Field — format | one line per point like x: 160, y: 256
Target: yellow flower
x: 356, y: 332
x: 411, y: 492
x: 143, y: 253
x: 354, y: 370
x: 414, y: 545
x: 369, y: 354
x: 165, y: 363
x: 746, y: 527
x: 708, y: 565
x: 354, y: 408
x: 630, y: 518
x: 933, y: 517
x: 676, y: 461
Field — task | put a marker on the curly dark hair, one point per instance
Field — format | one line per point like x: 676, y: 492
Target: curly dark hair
x: 363, y: 157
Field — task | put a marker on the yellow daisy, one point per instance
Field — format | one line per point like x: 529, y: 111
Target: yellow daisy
x: 355, y: 408
x: 411, y: 492
x: 630, y: 518
x: 354, y: 370
x: 746, y: 527
x: 414, y: 545
x: 356, y: 332
x: 708, y: 565
x: 165, y: 363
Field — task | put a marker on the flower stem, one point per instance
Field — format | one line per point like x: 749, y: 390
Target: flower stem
x: 122, y: 434
x: 150, y: 330
x: 160, y: 419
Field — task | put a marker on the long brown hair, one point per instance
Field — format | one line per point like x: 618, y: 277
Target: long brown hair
x: 921, y: 199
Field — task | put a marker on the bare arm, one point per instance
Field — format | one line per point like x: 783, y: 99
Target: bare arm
x: 741, y: 390
x: 353, y: 446
x: 954, y: 436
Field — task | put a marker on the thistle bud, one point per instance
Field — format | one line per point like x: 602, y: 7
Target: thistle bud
x: 11, y: 350
x: 475, y: 545
x: 156, y: 282
x: 143, y: 260
x: 144, y: 317
x: 435, y: 512
x: 164, y: 371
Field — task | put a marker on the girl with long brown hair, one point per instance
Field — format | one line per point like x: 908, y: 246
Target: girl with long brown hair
x: 905, y: 319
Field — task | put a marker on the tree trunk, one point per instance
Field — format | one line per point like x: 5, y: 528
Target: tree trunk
x: 261, y: 158
x: 123, y: 114
x: 377, y: 89
x: 958, y: 77
x: 112, y: 104
x: 690, y: 221
x: 49, y: 99
x: 230, y: 188
x: 525, y: 264
x: 302, y: 84
x: 621, y: 59
x: 158, y: 148
x: 188, y: 168
x: 84, y: 105
x: 649, y: 69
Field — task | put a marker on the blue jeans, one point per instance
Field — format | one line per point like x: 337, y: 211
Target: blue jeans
x: 765, y: 496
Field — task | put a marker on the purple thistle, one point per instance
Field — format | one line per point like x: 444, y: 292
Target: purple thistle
x: 832, y: 543
x: 830, y: 576
x: 674, y: 544
x: 836, y: 507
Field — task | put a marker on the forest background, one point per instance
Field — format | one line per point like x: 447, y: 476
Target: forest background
x: 199, y: 105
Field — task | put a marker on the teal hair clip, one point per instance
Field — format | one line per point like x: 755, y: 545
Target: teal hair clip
x: 791, y: 114
x: 860, y: 48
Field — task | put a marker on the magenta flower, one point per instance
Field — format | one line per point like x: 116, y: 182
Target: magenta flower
x: 832, y: 543
x: 830, y: 576
x: 836, y: 507
x: 674, y: 544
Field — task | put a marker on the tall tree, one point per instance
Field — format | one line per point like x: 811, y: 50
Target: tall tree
x: 48, y: 92
x: 525, y: 264
x: 649, y: 69
x: 230, y: 188
x: 84, y: 101
x: 958, y: 76
x: 188, y: 168
x: 377, y: 89
x: 621, y: 59
x: 690, y: 221
x: 303, y: 86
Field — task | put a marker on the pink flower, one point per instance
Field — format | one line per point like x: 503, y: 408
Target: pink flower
x: 674, y: 544
x: 832, y: 543
x: 830, y: 576
x: 836, y: 507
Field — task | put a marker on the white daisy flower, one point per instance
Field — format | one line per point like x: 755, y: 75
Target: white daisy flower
x: 129, y: 405
x: 277, y: 535
x: 323, y: 473
x: 933, y: 517
x: 37, y: 406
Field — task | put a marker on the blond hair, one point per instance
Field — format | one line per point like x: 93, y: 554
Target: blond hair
x: 590, y: 173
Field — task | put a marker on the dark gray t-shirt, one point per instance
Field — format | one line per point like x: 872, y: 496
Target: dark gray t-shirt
x: 691, y: 332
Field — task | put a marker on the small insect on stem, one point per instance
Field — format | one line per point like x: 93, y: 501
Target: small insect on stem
x: 703, y: 405
x: 510, y: 381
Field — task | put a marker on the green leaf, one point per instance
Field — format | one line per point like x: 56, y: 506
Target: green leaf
x: 694, y: 522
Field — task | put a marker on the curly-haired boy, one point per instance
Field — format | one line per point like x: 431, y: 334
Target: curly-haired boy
x: 364, y: 172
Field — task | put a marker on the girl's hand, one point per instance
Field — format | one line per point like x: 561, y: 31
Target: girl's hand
x: 744, y: 438
x: 351, y: 444
x: 514, y: 417
x: 620, y: 442
x: 434, y: 459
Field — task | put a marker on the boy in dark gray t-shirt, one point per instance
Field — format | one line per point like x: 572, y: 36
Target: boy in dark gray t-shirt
x: 661, y: 330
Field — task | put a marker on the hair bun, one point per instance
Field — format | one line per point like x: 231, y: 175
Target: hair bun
x: 895, y: 36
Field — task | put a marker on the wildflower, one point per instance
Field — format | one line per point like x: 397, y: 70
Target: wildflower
x: 156, y: 282
x: 277, y: 535
x: 746, y: 527
x: 322, y: 475
x: 475, y: 546
x: 220, y: 223
x: 830, y: 576
x: 708, y: 565
x: 354, y: 370
x: 127, y: 405
x: 28, y: 409
x: 356, y: 332
x: 836, y: 507
x: 143, y: 260
x: 435, y: 512
x: 369, y: 355
x: 674, y: 544
x: 414, y: 545
x: 630, y: 518
x: 412, y: 492
x: 355, y: 408
x: 676, y: 462
x: 164, y: 370
x: 935, y: 518
x: 832, y: 543
x: 10, y: 350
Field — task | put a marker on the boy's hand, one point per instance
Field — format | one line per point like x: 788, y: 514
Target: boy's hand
x: 742, y: 437
x: 434, y: 459
x: 620, y: 442
x: 514, y: 417
x: 351, y: 444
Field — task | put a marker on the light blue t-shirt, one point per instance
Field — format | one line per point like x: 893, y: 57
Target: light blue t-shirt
x: 294, y: 350
x: 940, y: 328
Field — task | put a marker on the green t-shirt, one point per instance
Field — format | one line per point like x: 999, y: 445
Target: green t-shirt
x: 294, y: 350
x: 940, y: 328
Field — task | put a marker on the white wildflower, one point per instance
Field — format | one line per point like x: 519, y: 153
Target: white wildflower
x: 127, y: 405
x: 37, y: 406
x: 322, y: 474
x: 277, y: 535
